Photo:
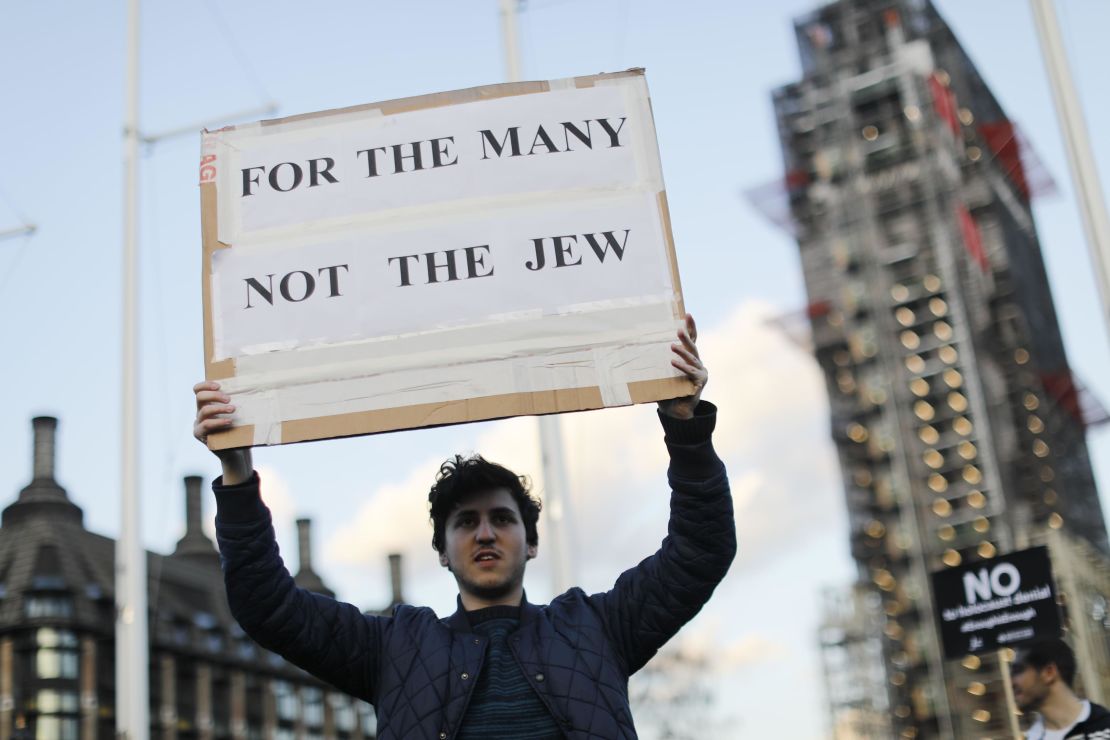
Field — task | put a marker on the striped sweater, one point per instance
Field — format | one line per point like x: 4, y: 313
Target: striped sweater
x: 503, y: 704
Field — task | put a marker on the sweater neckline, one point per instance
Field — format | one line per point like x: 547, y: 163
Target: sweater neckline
x: 485, y: 614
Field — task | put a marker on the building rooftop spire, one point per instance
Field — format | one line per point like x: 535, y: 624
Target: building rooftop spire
x: 307, y: 577
x: 194, y: 541
x: 43, y: 496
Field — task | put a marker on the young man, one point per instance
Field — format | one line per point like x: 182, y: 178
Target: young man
x: 499, y: 667
x: 1042, y: 674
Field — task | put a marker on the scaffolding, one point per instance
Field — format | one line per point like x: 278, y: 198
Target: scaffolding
x: 954, y: 411
x: 852, y: 664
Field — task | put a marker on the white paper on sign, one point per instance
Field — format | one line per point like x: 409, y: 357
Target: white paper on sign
x: 446, y: 275
x: 533, y: 144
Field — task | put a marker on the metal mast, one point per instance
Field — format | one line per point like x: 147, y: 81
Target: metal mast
x: 132, y: 671
x: 1084, y: 174
x: 556, y: 504
x: 25, y: 230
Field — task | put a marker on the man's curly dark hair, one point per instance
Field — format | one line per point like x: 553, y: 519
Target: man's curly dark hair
x: 1043, y: 651
x: 461, y: 476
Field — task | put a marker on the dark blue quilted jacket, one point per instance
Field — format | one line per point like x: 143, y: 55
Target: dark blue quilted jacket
x: 577, y: 652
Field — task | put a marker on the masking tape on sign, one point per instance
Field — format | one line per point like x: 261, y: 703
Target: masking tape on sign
x: 614, y: 392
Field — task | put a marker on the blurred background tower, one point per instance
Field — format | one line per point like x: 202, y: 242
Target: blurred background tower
x: 852, y: 664
x: 959, y: 426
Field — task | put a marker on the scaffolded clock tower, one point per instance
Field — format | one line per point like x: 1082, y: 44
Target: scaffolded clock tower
x: 954, y: 411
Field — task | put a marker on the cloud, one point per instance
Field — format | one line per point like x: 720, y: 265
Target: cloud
x: 772, y: 432
x: 686, y: 689
x: 750, y: 651
x: 709, y: 644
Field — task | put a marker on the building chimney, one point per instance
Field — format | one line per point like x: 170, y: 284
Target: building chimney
x: 195, y: 542
x: 43, y: 496
x: 43, y: 456
x: 304, y: 542
x: 395, y: 577
x: 192, y: 504
x: 306, y: 577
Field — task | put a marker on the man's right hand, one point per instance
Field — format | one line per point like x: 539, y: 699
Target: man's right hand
x: 211, y: 405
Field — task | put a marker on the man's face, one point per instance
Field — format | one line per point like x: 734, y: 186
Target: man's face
x: 486, y: 548
x: 1031, y: 685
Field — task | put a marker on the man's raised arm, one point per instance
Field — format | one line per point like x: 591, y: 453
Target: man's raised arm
x: 333, y: 640
x: 650, y: 602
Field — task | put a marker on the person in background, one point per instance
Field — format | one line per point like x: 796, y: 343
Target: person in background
x: 1042, y: 675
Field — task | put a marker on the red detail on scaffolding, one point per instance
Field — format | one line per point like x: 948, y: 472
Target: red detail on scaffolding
x: 796, y: 180
x: 1073, y: 397
x: 944, y: 102
x: 1016, y: 158
x: 891, y: 18
x: 1060, y: 387
x: 817, y: 309
x: 973, y: 240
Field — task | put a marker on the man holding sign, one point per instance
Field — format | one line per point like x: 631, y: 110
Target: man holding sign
x: 499, y: 667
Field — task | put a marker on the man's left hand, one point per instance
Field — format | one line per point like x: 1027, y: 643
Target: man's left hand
x: 687, y: 360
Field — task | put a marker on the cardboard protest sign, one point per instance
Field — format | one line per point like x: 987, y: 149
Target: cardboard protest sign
x: 996, y: 603
x: 469, y: 255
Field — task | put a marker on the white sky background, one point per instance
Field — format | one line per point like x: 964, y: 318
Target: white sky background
x: 710, y: 67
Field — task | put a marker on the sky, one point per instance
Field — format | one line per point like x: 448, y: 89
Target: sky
x: 710, y: 66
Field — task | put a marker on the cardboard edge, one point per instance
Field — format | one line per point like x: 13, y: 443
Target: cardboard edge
x: 210, y: 243
x: 439, y: 414
x: 591, y: 80
x: 646, y: 391
x: 422, y: 102
x: 672, y: 257
x: 454, y: 412
x: 237, y: 437
x: 442, y: 99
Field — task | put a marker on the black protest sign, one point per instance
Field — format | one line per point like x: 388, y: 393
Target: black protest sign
x: 996, y: 603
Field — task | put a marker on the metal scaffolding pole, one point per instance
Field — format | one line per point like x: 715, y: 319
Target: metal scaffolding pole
x: 25, y: 230
x: 132, y: 646
x: 1081, y: 161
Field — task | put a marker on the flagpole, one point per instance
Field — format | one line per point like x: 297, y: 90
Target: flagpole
x: 1008, y: 691
x: 556, y: 505
x: 132, y: 647
x: 1084, y: 174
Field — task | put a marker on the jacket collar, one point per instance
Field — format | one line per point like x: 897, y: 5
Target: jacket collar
x: 458, y: 622
x: 1087, y: 709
